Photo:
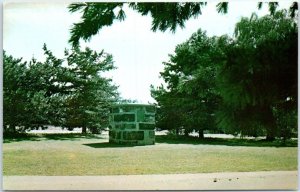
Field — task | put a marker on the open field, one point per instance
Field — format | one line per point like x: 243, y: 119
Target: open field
x: 89, y: 155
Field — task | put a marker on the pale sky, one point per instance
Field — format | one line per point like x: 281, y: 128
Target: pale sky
x: 137, y: 51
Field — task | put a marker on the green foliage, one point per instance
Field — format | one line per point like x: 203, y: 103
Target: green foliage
x: 14, y: 97
x: 68, y: 92
x: 247, y: 84
x: 97, y: 15
x: 168, y: 114
x: 94, y: 17
x: 191, y: 99
x: 165, y: 15
x: 222, y: 7
x: 259, y: 73
x: 286, y: 120
x: 169, y: 15
x: 30, y: 91
x: 89, y: 101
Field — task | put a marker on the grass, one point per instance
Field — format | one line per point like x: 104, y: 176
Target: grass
x: 173, y: 139
x: 55, y: 136
x: 75, y: 154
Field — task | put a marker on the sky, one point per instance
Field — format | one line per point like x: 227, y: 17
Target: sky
x: 138, y: 52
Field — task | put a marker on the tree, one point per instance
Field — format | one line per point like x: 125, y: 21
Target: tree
x: 248, y: 82
x: 165, y: 15
x: 169, y: 115
x: 191, y: 97
x: 27, y: 94
x: 45, y: 87
x: 14, y: 96
x: 91, y: 94
x: 33, y: 92
x: 68, y: 92
x: 259, y: 74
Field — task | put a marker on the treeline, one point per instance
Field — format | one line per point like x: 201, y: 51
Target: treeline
x: 67, y: 92
x: 245, y: 84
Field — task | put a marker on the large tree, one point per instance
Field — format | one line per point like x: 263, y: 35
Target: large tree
x: 14, y: 96
x: 30, y: 90
x: 91, y: 94
x: 169, y: 115
x: 259, y: 74
x: 68, y: 92
x: 251, y: 77
x: 191, y: 85
x: 258, y: 78
x: 165, y: 16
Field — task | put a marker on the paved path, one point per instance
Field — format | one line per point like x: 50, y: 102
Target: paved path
x: 275, y: 180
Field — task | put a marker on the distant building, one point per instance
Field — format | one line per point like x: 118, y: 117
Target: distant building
x: 132, y: 124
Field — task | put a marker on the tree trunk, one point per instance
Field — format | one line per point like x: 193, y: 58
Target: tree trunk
x: 270, y: 123
x: 270, y: 135
x: 177, y: 131
x: 12, y: 128
x: 186, y: 133
x: 201, y: 134
x: 83, y: 130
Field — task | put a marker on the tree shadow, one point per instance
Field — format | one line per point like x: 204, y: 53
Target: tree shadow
x: 173, y: 139
x: 71, y: 136
x: 17, y: 137
x: 169, y: 139
x: 109, y: 145
x: 49, y: 136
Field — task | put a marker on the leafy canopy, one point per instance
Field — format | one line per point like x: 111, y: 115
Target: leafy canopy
x: 165, y: 15
x: 245, y: 85
x: 259, y: 75
x: 68, y: 92
x: 190, y: 99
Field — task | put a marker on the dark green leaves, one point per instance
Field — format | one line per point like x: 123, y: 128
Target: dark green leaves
x: 77, y: 7
x: 244, y: 83
x: 293, y: 9
x: 50, y: 93
x: 274, y: 5
x: 191, y: 99
x: 97, y: 15
x: 94, y: 17
x: 165, y: 16
x: 259, y: 72
x: 169, y: 15
x: 88, y: 104
x: 222, y: 7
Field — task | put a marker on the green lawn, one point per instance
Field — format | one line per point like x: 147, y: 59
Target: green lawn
x: 89, y: 155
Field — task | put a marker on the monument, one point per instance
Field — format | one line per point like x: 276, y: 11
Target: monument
x: 132, y: 124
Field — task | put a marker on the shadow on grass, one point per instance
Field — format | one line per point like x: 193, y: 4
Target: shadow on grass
x: 56, y: 136
x: 71, y: 136
x: 108, y: 145
x: 169, y: 139
x: 173, y: 139
x: 16, y: 137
